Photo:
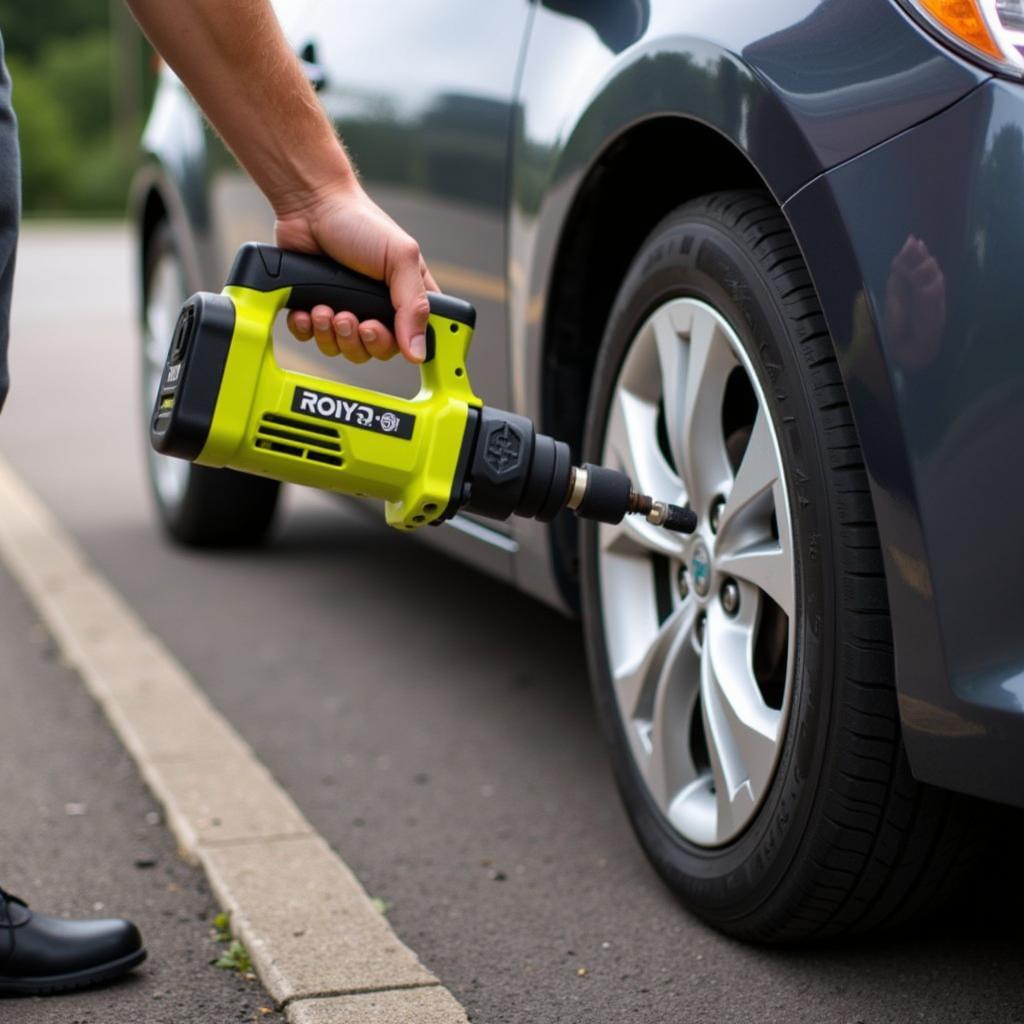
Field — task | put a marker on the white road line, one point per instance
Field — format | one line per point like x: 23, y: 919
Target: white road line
x: 319, y: 945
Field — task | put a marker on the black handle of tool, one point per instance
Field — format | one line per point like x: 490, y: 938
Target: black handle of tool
x: 318, y: 280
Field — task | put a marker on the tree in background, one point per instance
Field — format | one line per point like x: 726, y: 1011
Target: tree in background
x: 65, y: 68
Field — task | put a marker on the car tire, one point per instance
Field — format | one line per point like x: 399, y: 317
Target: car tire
x: 198, y: 506
x: 827, y: 832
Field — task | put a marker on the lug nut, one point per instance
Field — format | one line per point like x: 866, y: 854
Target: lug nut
x: 683, y: 583
x: 730, y: 597
x: 716, y: 513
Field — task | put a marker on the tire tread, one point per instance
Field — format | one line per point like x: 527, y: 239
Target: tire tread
x: 898, y: 840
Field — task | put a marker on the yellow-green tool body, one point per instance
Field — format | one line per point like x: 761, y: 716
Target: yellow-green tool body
x: 224, y: 401
x: 315, y: 431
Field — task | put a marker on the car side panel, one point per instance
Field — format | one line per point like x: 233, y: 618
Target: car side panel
x: 797, y: 86
x: 174, y: 168
x: 584, y: 83
x: 916, y: 250
x: 427, y: 122
x: 423, y: 97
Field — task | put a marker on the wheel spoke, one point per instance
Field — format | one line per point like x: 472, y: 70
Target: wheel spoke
x: 633, y: 438
x: 742, y: 731
x: 755, y: 480
x: 744, y: 545
x: 668, y: 326
x: 671, y: 766
x: 693, y: 379
x: 724, y: 767
x: 767, y: 566
x: 637, y: 536
x: 633, y: 434
x: 666, y: 428
x: 636, y: 683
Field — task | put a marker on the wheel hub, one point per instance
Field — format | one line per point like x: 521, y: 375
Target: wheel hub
x: 700, y: 569
x: 701, y: 730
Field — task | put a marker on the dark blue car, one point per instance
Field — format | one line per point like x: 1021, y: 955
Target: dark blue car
x: 767, y: 258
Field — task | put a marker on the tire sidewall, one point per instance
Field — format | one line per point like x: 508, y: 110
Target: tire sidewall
x: 162, y: 244
x: 694, y: 254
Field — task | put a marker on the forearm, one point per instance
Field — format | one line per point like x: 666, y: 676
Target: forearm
x: 236, y: 62
x: 234, y: 59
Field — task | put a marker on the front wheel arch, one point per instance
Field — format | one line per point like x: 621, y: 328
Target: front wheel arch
x: 596, y: 243
x: 845, y: 839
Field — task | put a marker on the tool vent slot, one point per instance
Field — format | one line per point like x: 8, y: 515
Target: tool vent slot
x: 309, y: 428
x: 281, y: 449
x: 288, y: 436
x: 331, y: 460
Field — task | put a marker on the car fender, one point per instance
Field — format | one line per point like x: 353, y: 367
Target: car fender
x: 647, y: 82
x: 866, y: 74
x: 935, y: 381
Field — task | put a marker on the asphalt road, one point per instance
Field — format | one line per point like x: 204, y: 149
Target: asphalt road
x: 433, y: 725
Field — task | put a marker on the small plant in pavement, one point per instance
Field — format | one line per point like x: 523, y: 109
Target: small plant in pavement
x: 222, y: 927
x: 236, y: 956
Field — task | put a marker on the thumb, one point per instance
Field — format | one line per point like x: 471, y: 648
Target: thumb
x: 412, y: 307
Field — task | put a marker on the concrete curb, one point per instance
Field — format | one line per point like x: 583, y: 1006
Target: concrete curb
x: 319, y: 945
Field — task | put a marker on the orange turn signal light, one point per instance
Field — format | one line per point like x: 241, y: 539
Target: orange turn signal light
x: 964, y: 19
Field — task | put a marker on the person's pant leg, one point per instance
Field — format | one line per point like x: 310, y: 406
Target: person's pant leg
x: 10, y: 213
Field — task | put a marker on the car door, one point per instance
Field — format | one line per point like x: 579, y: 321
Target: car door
x: 423, y: 96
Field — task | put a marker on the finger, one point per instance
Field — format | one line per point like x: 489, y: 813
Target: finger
x: 409, y: 297
x: 428, y: 277
x: 346, y: 332
x: 934, y: 289
x: 920, y: 255
x: 323, y: 330
x: 377, y: 339
x: 300, y: 324
x: 906, y: 253
x: 926, y: 271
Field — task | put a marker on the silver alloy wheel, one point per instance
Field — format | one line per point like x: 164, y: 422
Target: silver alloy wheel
x: 163, y: 302
x: 703, y: 692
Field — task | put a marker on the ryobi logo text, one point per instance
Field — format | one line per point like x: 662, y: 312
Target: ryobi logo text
x: 353, y: 413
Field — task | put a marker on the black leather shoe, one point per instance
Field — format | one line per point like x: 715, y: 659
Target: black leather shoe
x: 41, y: 954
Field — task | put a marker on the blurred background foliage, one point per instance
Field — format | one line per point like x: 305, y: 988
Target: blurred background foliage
x: 82, y: 77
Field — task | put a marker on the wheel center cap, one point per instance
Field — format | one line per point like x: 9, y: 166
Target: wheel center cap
x: 700, y: 568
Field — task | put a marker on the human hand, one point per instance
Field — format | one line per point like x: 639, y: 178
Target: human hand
x: 291, y: 150
x: 348, y: 226
x: 915, y: 306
